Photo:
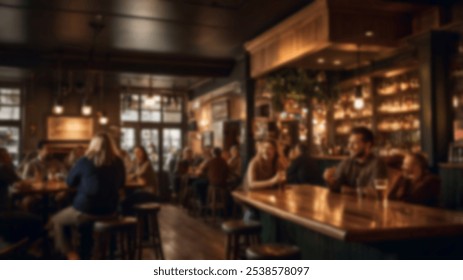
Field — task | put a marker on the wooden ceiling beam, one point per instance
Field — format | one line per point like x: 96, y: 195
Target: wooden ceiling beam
x: 123, y: 62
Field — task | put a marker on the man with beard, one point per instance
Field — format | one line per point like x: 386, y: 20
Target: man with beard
x: 361, y: 168
x: 416, y: 184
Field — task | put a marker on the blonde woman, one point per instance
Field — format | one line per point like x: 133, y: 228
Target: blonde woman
x: 97, y: 178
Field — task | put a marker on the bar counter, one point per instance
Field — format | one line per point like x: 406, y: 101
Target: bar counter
x: 352, y: 227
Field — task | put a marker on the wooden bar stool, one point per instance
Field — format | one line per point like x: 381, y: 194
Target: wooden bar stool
x: 147, y: 214
x: 273, y: 252
x: 216, y: 201
x: 116, y: 235
x: 240, y: 235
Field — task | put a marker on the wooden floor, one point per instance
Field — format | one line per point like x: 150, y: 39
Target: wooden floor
x: 188, y: 238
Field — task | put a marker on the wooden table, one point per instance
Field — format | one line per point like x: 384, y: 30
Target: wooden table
x: 38, y: 188
x: 347, y: 223
x: 44, y: 190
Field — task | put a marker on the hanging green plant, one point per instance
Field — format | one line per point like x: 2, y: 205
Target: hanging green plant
x: 296, y: 84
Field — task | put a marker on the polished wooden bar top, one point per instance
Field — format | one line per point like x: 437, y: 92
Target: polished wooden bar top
x: 351, y: 218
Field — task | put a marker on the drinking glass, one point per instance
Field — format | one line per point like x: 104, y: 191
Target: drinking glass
x: 381, y: 189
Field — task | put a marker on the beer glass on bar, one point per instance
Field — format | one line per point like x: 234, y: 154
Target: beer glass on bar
x: 381, y: 189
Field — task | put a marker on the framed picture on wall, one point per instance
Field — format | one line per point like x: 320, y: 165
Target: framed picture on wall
x: 220, y: 110
x: 69, y: 128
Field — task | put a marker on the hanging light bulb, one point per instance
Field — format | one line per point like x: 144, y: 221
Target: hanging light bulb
x: 86, y: 108
x: 359, y: 102
x: 103, y: 120
x: 58, y: 108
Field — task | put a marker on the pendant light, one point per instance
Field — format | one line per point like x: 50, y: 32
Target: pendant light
x: 103, y: 119
x: 86, y: 108
x: 359, y: 102
x: 58, y: 107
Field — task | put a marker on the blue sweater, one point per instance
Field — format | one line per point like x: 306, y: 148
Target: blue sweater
x: 97, y: 187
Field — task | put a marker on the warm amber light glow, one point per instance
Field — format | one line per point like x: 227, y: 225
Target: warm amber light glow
x: 86, y: 110
x: 369, y: 33
x: 359, y: 103
x: 103, y: 120
x: 58, y: 109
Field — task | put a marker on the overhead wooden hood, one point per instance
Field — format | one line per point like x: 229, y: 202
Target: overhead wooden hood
x: 327, y: 34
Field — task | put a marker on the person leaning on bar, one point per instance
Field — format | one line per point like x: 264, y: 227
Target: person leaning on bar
x: 264, y: 171
x: 416, y: 184
x: 362, y: 166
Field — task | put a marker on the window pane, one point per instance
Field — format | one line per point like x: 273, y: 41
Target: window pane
x: 129, y: 107
x: 10, y: 98
x: 127, y: 138
x: 172, y: 103
x: 9, y: 139
x: 172, y: 117
x: 151, y: 116
x: 172, y: 142
x: 9, y: 113
x: 150, y: 102
x: 150, y: 140
x: 150, y: 108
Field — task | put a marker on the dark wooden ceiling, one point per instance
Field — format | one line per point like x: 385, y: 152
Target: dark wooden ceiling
x: 180, y: 37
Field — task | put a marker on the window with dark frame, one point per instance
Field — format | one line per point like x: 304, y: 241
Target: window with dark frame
x: 10, y: 125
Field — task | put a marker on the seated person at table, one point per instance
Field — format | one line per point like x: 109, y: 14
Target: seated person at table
x: 200, y: 160
x: 144, y: 173
x: 14, y: 225
x: 97, y: 177
x: 362, y: 166
x: 216, y: 172
x: 37, y: 168
x: 43, y: 167
x: 302, y: 169
x: 416, y: 184
x: 182, y: 168
x: 143, y: 170
x: 201, y: 182
x: 234, y: 165
x: 264, y: 171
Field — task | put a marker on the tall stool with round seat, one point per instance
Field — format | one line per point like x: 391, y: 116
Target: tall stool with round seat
x: 240, y: 235
x: 116, y: 239
x: 147, y: 214
x: 273, y: 252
